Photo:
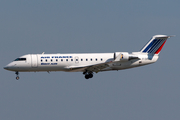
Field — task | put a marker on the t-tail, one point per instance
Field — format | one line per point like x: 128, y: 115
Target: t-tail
x: 155, y: 45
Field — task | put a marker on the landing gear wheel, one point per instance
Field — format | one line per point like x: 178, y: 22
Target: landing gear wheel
x: 90, y: 75
x: 17, y: 73
x: 17, y: 78
x: 87, y: 76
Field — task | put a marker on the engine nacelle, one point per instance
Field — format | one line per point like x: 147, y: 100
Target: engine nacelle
x: 121, y: 56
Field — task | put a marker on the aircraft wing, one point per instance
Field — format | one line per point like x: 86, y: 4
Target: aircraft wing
x: 101, y: 66
x: 92, y: 68
x: 97, y: 68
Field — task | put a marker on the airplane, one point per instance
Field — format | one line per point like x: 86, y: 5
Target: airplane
x: 89, y: 63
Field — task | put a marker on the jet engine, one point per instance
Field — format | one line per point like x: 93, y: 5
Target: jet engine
x: 121, y: 56
x: 124, y: 56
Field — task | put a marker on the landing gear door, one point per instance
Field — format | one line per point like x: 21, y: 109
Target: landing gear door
x: 34, y: 61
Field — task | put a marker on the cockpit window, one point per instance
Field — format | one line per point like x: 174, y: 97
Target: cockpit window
x: 20, y: 59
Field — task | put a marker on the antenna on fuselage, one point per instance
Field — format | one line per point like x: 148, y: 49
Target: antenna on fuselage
x: 43, y: 52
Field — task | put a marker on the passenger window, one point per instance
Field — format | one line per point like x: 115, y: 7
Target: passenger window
x: 91, y: 59
x: 81, y: 59
x: 56, y: 60
x: 101, y: 59
x: 96, y: 59
x: 51, y: 60
x: 66, y: 59
x: 86, y: 59
x: 46, y: 60
x: 71, y: 59
x: 41, y: 60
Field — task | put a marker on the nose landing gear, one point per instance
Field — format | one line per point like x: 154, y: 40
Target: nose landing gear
x: 17, y: 77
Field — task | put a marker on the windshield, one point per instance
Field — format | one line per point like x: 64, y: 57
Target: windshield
x: 20, y: 59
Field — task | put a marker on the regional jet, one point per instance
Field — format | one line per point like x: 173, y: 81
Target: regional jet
x: 89, y: 63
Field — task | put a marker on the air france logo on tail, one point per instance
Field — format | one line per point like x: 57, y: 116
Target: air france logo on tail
x: 155, y: 45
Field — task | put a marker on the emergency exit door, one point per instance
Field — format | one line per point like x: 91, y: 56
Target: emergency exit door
x: 76, y: 59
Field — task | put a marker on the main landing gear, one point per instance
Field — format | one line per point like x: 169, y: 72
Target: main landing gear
x: 17, y: 77
x: 88, y: 74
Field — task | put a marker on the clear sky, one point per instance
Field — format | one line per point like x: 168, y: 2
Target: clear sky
x: 89, y: 26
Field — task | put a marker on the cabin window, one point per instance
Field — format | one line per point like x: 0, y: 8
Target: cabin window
x: 91, y: 59
x: 86, y: 59
x: 101, y: 59
x: 96, y: 59
x: 71, y: 59
x: 66, y: 59
x: 61, y: 59
x: 46, y: 60
x: 41, y: 60
x: 81, y: 59
x: 56, y: 60
x: 51, y: 60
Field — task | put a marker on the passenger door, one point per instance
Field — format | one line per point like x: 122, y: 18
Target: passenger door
x: 34, y: 61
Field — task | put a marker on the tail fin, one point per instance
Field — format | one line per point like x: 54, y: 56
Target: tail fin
x: 155, y: 45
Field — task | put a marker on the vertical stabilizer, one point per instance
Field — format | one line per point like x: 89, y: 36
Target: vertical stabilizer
x: 155, y: 45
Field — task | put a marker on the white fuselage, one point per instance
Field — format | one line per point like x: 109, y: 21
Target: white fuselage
x: 89, y: 63
x: 69, y: 62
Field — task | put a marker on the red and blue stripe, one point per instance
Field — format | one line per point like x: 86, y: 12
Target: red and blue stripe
x: 154, y: 46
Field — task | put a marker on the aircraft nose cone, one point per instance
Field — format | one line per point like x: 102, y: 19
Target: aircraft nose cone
x: 5, y: 67
x: 10, y: 66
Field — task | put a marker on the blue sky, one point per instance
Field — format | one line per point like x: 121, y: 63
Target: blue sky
x: 96, y: 26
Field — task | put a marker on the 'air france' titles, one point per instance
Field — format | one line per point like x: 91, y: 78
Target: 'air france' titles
x: 56, y: 57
